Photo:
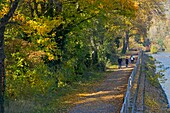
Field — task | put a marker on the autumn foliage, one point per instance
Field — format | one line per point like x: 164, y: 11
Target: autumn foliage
x: 51, y: 44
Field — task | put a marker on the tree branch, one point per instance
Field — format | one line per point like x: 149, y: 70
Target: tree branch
x: 4, y: 20
x: 85, y: 20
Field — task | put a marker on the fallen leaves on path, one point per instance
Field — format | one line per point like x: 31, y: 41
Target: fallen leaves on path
x: 107, y: 97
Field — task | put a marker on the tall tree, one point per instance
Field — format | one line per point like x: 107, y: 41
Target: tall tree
x: 142, y: 21
x: 3, y: 21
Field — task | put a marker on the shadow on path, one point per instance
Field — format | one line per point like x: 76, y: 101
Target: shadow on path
x: 108, y: 96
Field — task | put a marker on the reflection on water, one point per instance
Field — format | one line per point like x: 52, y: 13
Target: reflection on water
x: 164, y: 58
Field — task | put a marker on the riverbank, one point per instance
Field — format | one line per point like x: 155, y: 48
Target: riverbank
x: 155, y: 97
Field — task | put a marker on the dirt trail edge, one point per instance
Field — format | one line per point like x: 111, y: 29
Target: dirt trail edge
x: 108, y: 97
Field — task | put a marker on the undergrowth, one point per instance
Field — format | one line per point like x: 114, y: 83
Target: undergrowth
x: 55, y: 101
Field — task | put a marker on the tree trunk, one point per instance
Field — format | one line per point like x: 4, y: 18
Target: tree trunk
x: 2, y: 70
x: 94, y: 51
x: 3, y: 22
x: 126, y: 43
x: 94, y: 57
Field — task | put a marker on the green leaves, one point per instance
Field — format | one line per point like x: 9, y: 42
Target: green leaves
x: 52, y: 41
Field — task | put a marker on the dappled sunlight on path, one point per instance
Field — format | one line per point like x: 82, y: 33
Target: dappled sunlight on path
x: 108, y: 96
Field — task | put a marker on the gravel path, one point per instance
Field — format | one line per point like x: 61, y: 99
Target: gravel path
x: 108, y: 97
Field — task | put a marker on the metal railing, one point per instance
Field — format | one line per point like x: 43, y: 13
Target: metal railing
x: 126, y: 104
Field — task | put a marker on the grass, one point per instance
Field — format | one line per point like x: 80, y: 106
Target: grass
x: 19, y: 106
x: 151, y: 102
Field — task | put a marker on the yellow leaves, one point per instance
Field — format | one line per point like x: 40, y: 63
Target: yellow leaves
x: 142, y: 39
x: 101, y: 6
x: 105, y: 5
x: 95, y: 11
x: 42, y: 26
x: 43, y: 41
x: 4, y: 10
x: 127, y: 22
x: 129, y: 4
x: 50, y: 56
x: 112, y: 28
x: 42, y: 30
x: 36, y: 1
x: 38, y: 41
x: 36, y: 55
x: 41, y: 0
x: 136, y: 5
x: 91, y: 1
x: 19, y: 17
x: 47, y: 45
x: 134, y: 31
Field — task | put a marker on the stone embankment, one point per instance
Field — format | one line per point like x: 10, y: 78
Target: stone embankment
x: 155, y: 100
x: 147, y: 95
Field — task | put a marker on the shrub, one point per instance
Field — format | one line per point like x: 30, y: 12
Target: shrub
x: 154, y: 49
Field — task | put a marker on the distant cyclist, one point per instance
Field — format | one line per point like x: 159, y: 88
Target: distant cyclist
x: 132, y: 59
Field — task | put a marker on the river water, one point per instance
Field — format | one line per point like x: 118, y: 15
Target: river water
x: 164, y: 58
